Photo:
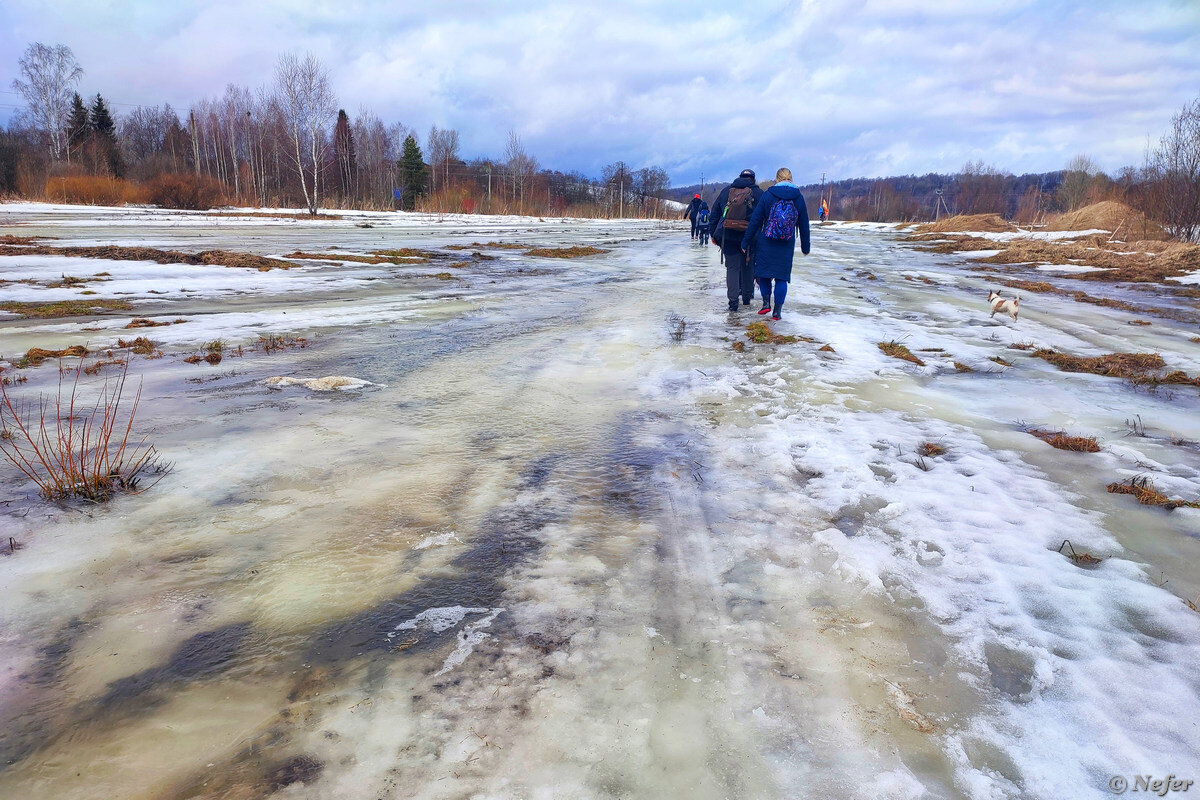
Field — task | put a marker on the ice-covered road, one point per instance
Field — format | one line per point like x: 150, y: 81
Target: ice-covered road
x: 572, y: 545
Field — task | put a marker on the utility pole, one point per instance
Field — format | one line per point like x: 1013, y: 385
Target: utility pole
x: 489, y: 187
x: 822, y: 185
x: 622, y: 201
x: 702, y: 185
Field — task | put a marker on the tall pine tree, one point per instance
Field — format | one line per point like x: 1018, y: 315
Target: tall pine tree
x: 343, y: 147
x: 414, y: 174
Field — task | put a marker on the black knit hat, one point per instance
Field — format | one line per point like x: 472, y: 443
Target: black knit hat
x: 747, y: 173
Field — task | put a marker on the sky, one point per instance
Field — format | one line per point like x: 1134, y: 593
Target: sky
x: 848, y: 88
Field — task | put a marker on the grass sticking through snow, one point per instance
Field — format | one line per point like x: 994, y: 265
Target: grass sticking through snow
x: 564, y: 252
x: 1062, y: 441
x: 64, y: 308
x: 760, y: 333
x: 1141, y: 488
x: 897, y: 350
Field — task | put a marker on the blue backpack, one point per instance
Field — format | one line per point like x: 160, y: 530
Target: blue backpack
x: 781, y: 222
x: 702, y: 217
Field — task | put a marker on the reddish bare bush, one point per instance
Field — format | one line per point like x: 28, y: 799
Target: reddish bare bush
x: 186, y: 191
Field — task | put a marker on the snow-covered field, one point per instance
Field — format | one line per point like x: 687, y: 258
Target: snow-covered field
x: 557, y: 539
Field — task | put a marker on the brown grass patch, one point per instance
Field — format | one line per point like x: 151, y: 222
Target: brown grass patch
x: 897, y: 350
x: 1022, y: 346
x: 64, y: 308
x: 826, y: 349
x: 488, y: 245
x: 961, y: 367
x: 1000, y: 361
x: 739, y: 347
x: 142, y: 322
x: 1138, y: 322
x: 272, y: 343
x: 1195, y: 339
x: 1109, y: 215
x: 1062, y: 441
x: 442, y: 276
x: 564, y: 252
x: 36, y: 355
x: 1146, y: 494
x: 374, y: 258
x: 1132, y: 262
x: 9, y: 238
x: 219, y: 258
x: 96, y: 366
x: 760, y: 333
x: 931, y: 449
x: 988, y: 223
x: 1116, y: 365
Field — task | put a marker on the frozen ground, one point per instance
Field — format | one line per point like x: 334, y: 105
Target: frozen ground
x: 559, y: 540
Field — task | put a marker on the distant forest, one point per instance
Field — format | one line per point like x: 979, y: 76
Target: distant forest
x: 976, y: 190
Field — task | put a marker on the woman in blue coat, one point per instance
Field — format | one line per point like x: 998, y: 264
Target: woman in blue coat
x: 772, y: 238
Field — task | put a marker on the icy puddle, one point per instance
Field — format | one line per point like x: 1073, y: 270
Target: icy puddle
x: 537, y: 530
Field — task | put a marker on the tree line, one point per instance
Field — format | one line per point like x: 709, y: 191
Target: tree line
x: 286, y: 143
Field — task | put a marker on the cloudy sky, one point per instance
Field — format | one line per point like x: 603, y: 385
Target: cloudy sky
x: 846, y: 87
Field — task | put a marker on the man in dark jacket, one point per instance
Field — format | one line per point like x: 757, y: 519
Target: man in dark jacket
x: 727, y: 224
x: 692, y: 211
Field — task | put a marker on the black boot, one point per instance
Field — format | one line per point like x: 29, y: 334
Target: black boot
x: 733, y: 306
x: 778, y: 311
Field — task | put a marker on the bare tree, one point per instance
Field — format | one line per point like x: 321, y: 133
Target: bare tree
x: 520, y: 167
x: 48, y: 78
x: 307, y: 100
x: 1080, y: 174
x: 1174, y: 170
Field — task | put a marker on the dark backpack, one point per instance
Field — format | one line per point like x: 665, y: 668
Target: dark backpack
x: 738, y: 206
x: 781, y: 222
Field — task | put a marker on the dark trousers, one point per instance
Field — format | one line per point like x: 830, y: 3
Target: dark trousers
x: 739, y: 274
x: 695, y: 228
x: 764, y: 288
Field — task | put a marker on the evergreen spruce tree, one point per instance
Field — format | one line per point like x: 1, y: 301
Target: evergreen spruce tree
x: 414, y: 174
x: 343, y: 146
x: 105, y: 131
x: 79, y: 125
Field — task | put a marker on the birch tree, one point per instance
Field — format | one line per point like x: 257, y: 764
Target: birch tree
x: 307, y: 101
x: 48, y: 78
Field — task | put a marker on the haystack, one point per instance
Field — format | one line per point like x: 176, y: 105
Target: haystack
x: 988, y: 223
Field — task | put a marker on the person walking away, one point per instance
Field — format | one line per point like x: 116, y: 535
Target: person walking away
x: 824, y: 210
x: 702, y: 223
x: 727, y: 224
x: 771, y: 235
x: 692, y: 210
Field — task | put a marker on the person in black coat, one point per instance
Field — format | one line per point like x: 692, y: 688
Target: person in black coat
x: 693, y: 210
x: 727, y: 234
x: 772, y: 238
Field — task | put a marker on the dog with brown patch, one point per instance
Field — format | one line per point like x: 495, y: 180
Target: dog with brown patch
x: 1004, y: 305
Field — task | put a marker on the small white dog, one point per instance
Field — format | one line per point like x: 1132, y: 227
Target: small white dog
x: 1004, y: 306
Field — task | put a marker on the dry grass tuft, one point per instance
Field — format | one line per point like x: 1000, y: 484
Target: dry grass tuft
x: 219, y: 258
x: 1061, y: 441
x: 273, y: 343
x: 140, y: 346
x: 826, y: 349
x: 1141, y: 488
x: 1022, y: 346
x: 739, y: 346
x: 931, y: 449
x: 9, y: 238
x: 961, y: 367
x: 760, y: 333
x: 142, y: 322
x: 36, y: 355
x: 1117, y: 365
x: 564, y: 252
x: 1000, y: 361
x: 1141, y: 322
x: 1081, y: 559
x: 64, y: 308
x: 897, y: 350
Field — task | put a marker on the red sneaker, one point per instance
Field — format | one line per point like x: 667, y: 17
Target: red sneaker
x: 764, y: 310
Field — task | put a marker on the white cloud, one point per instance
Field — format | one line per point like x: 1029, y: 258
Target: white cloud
x: 862, y: 87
